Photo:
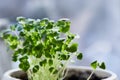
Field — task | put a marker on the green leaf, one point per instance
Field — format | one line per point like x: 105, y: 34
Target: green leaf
x: 13, y: 46
x: 102, y: 66
x: 14, y: 58
x: 60, y: 23
x: 72, y: 48
x: 64, y: 25
x: 50, y: 25
x: 24, y: 65
x: 51, y: 69
x: 61, y: 64
x: 65, y: 29
x: 47, y: 54
x: 64, y: 57
x: 50, y: 62
x: 44, y: 22
x: 27, y: 27
x: 39, y: 46
x: 38, y: 54
x: 16, y: 55
x: 94, y: 64
x: 19, y: 28
x: 43, y: 62
x: 35, y: 68
x: 71, y: 36
x: 79, y: 56
x: 23, y: 59
x: 55, y: 71
x: 22, y: 33
x: 6, y: 36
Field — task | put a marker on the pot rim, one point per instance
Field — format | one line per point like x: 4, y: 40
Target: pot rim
x: 9, y: 72
x: 113, y: 76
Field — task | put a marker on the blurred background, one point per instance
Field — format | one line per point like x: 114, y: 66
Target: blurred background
x: 97, y: 22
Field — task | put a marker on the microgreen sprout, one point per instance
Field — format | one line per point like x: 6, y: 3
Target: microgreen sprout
x: 43, y: 47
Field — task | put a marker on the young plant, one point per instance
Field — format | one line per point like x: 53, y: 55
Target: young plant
x: 43, y: 48
x: 96, y: 65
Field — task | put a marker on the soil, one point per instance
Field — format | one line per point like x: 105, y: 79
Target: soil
x: 20, y: 75
x: 81, y: 75
x: 71, y: 75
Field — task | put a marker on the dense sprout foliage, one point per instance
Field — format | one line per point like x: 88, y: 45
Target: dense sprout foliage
x: 43, y: 48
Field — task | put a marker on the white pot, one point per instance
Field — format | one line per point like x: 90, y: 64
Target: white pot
x: 99, y: 72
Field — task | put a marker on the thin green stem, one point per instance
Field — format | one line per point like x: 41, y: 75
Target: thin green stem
x: 91, y: 75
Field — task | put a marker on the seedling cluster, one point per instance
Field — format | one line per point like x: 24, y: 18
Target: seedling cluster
x: 43, y: 48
